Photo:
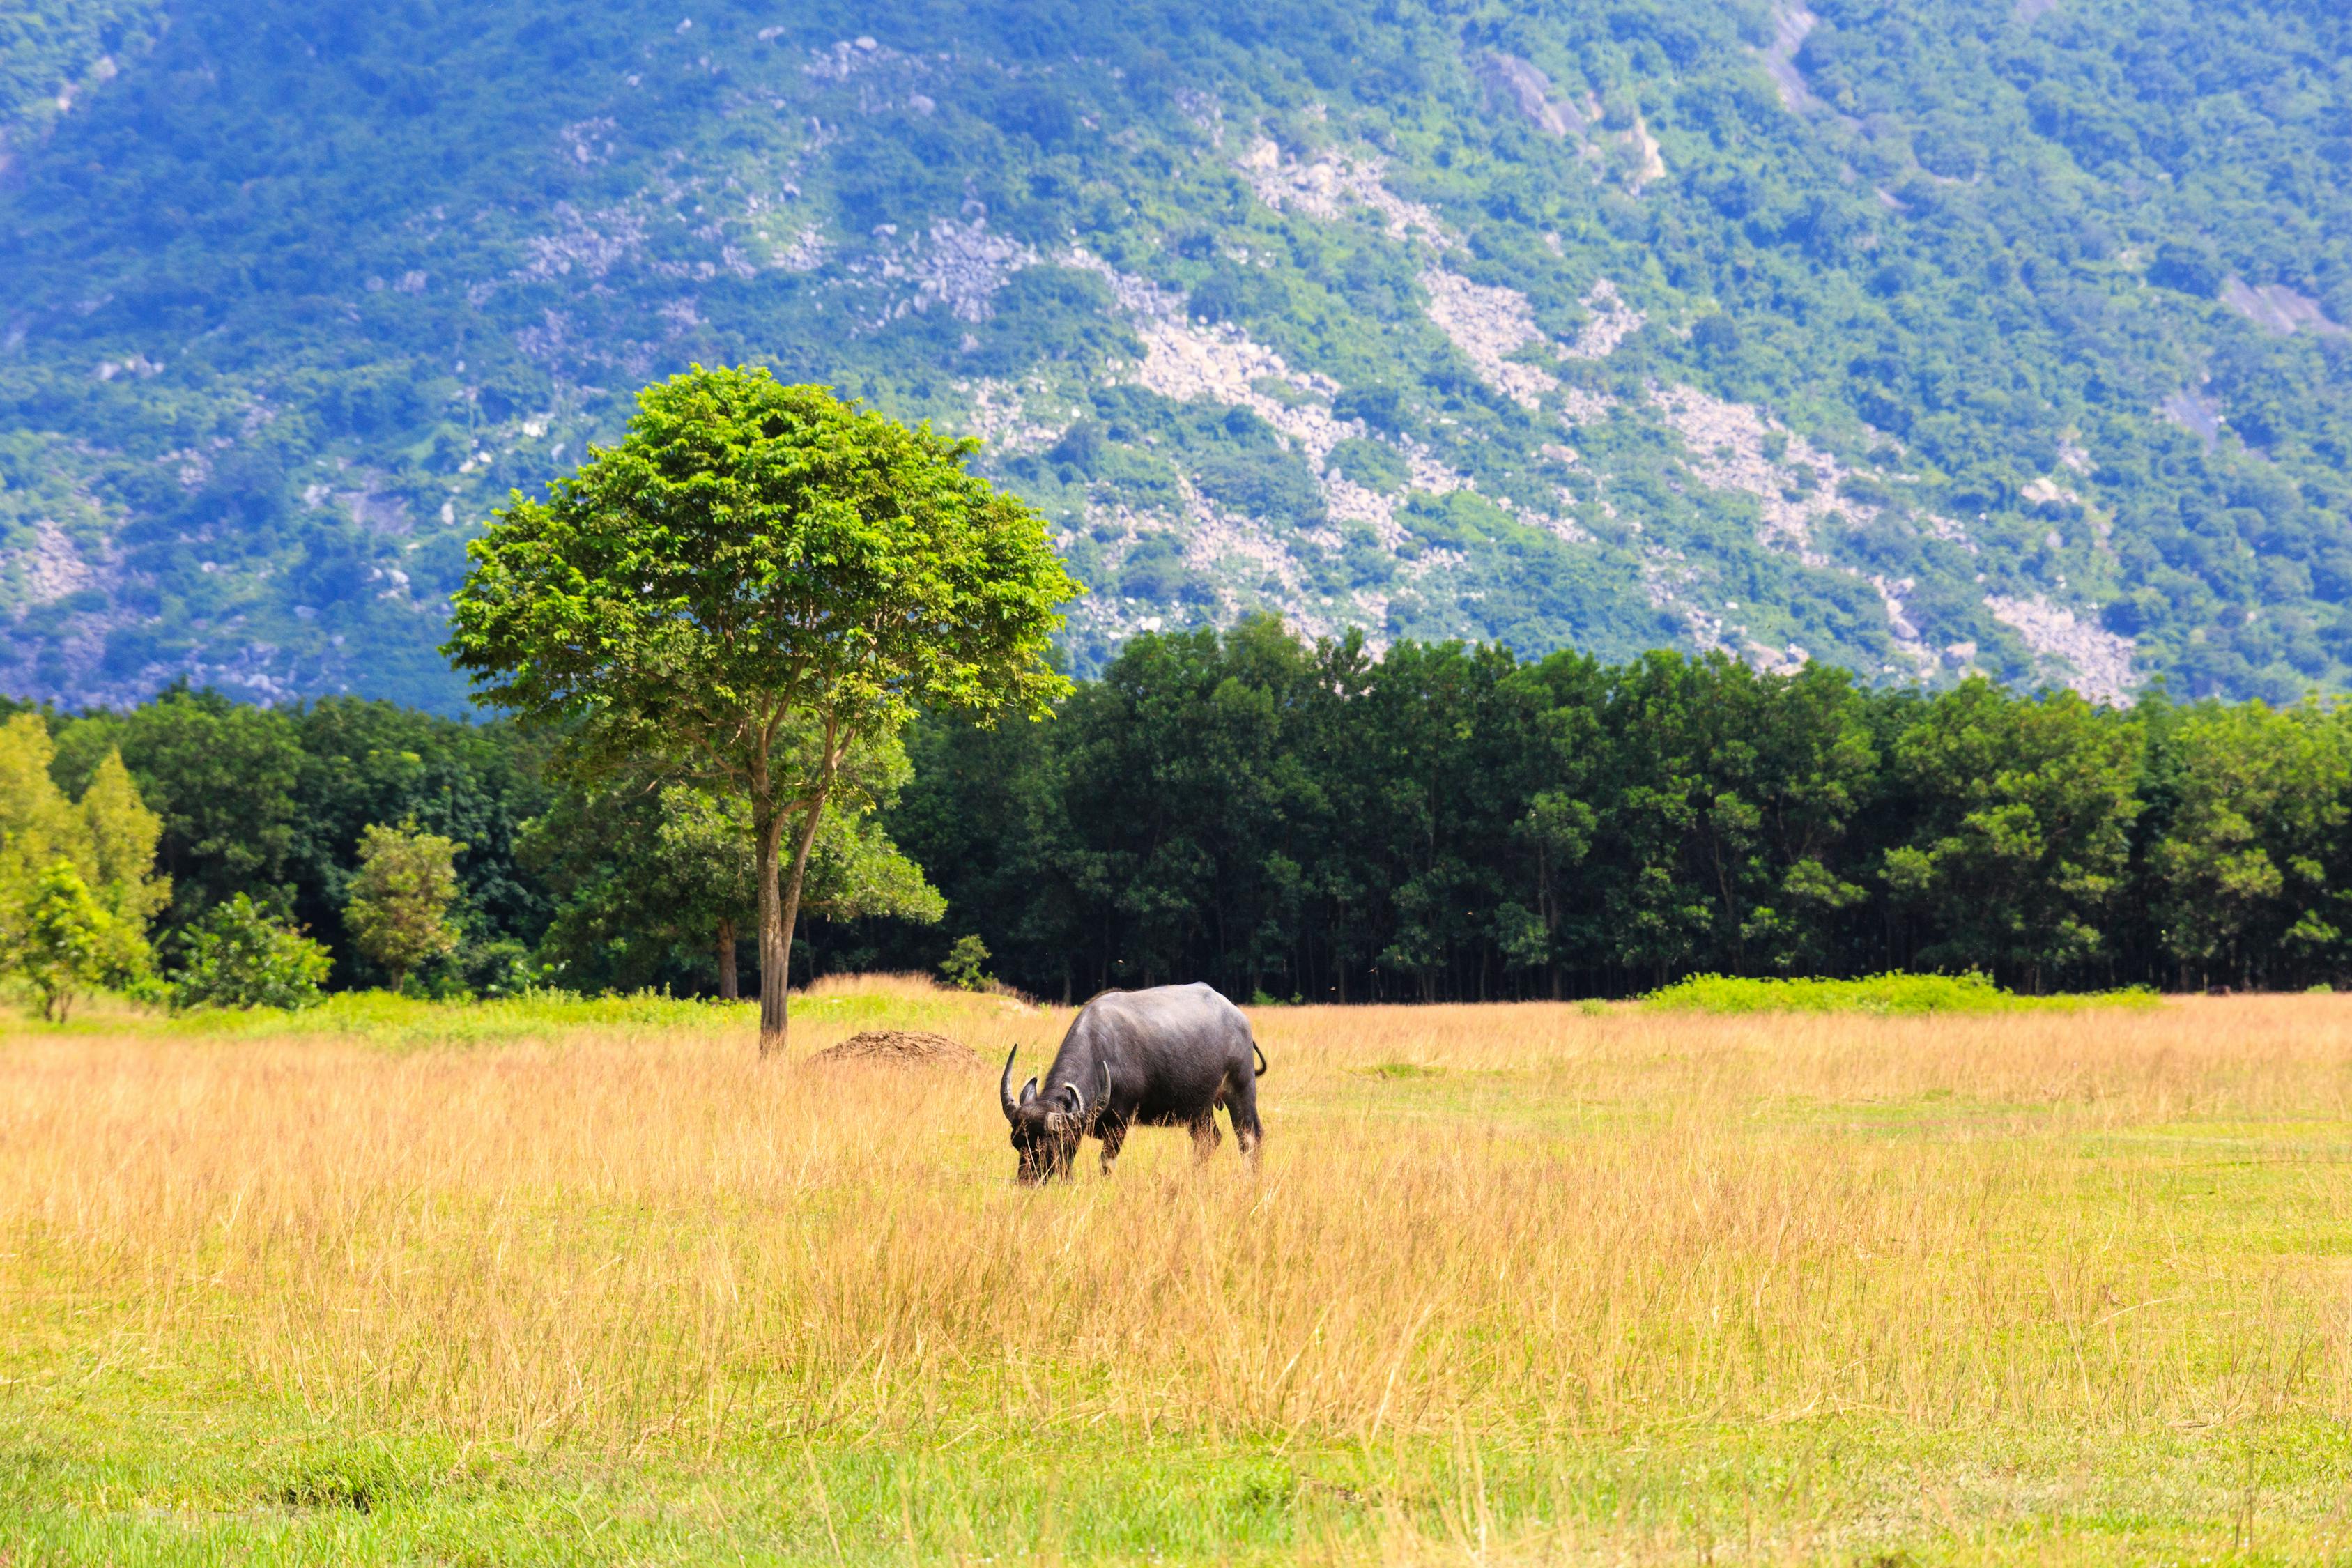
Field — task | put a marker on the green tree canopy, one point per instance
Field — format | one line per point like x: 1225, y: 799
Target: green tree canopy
x: 756, y: 580
x: 71, y: 942
x: 2026, y: 836
x: 221, y: 777
x: 107, y: 840
x: 399, y: 909
x: 649, y: 875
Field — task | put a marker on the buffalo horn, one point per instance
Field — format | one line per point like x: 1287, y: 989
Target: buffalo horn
x: 1005, y: 1084
x: 1104, y: 1103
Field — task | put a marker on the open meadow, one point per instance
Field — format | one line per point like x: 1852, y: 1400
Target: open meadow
x: 562, y: 1282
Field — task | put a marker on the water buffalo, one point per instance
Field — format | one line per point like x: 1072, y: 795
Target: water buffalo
x: 1165, y: 1057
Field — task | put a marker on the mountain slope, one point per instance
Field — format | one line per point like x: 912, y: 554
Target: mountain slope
x: 1921, y: 337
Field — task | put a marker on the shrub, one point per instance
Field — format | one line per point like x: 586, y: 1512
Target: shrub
x: 238, y: 956
x: 1887, y: 994
x: 1372, y: 464
x: 962, y: 965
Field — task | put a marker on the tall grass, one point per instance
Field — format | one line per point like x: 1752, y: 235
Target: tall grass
x: 626, y: 1234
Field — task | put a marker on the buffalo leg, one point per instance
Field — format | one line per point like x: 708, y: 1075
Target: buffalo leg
x: 1242, y: 1106
x: 1205, y: 1138
x: 1113, y: 1134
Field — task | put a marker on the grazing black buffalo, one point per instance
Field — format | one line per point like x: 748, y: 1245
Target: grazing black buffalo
x: 1165, y: 1057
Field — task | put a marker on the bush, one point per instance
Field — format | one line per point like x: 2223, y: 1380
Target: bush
x: 1886, y: 994
x: 1373, y: 465
x: 238, y: 956
x: 963, y: 965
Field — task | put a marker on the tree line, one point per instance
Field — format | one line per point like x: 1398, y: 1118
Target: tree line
x: 187, y: 849
x: 1279, y: 818
x: 1453, y: 822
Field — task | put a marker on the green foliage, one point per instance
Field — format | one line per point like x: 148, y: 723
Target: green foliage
x: 2026, y: 848
x: 238, y: 955
x: 271, y: 802
x: 1372, y: 464
x: 399, y: 910
x: 296, y: 297
x: 122, y: 836
x: 1453, y: 823
x: 1884, y: 994
x: 649, y: 879
x: 964, y: 967
x: 753, y: 550
x: 51, y: 56
x: 78, y: 886
x: 70, y: 943
x: 756, y: 581
x: 224, y: 776
x: 271, y: 805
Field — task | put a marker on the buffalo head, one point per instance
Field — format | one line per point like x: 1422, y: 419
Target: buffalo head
x: 1046, y: 1128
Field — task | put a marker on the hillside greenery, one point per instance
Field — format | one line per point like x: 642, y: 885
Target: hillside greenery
x: 1933, y: 338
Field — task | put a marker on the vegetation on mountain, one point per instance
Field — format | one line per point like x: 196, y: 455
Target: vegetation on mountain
x: 1921, y: 338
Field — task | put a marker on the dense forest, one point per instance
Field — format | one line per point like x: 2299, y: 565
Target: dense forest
x: 1288, y: 819
x: 1922, y: 337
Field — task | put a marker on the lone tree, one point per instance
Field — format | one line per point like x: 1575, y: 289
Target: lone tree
x: 757, y: 579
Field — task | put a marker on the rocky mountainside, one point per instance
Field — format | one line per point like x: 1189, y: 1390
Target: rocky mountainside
x: 1916, y: 336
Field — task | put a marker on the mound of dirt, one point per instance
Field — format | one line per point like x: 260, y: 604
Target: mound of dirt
x: 899, y: 1047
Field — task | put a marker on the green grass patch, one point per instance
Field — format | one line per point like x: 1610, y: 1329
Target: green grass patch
x: 1891, y: 994
x: 384, y: 1018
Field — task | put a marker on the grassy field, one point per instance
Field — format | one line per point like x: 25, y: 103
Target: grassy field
x: 586, y: 1282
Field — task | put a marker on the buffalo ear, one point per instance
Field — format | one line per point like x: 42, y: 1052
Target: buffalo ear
x: 1071, y: 1097
x: 1029, y: 1092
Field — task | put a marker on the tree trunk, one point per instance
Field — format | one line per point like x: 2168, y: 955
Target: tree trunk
x: 775, y: 948
x: 787, y: 916
x: 728, y: 988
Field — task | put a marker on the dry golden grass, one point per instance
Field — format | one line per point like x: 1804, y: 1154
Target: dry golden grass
x: 1495, y: 1237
